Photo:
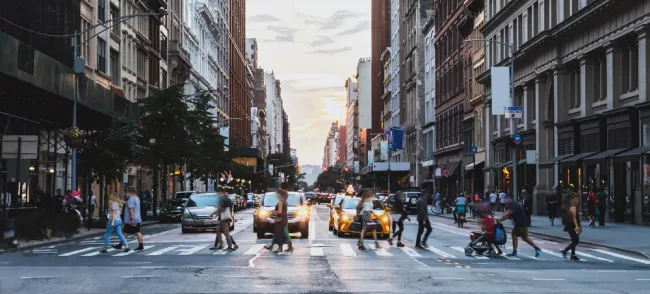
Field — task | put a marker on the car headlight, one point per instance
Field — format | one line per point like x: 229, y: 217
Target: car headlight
x: 301, y: 212
x: 346, y: 217
x: 384, y: 218
x: 187, y: 214
x: 263, y: 213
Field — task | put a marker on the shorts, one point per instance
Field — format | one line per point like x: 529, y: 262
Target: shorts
x: 130, y: 229
x: 521, y: 232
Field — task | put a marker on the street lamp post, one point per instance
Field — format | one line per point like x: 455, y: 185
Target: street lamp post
x: 512, y: 101
x: 79, y: 68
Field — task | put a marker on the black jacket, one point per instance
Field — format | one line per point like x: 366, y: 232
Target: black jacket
x: 421, y: 208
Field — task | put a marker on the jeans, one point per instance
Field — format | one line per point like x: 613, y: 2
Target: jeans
x: 438, y: 211
x: 117, y: 227
x: 601, y: 217
x: 575, y: 239
x: 422, y: 224
x: 398, y: 233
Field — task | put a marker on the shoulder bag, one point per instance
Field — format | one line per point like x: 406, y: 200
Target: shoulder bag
x: 225, y: 214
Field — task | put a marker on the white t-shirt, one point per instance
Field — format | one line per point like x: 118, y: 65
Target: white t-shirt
x: 114, y: 207
x: 93, y: 200
x: 501, y: 197
x: 493, y: 198
x: 367, y: 206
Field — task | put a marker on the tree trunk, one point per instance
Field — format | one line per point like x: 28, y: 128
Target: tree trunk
x: 154, y: 193
x: 104, y: 199
x: 164, y: 182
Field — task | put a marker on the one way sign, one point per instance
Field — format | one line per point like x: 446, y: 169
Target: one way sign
x: 514, y: 112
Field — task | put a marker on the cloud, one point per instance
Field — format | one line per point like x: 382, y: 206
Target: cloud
x: 337, y: 19
x: 263, y: 18
x: 359, y: 27
x: 331, y: 51
x: 322, y: 40
x: 285, y: 34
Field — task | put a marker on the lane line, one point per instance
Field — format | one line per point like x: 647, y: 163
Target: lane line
x: 440, y: 252
x: 79, y: 251
x: 536, y: 279
x: 509, y: 257
x: 461, y: 249
x: 446, y: 278
x: 410, y: 251
x: 146, y: 247
x: 379, y: 251
x: 37, y: 277
x: 347, y: 250
x: 162, y: 251
x: 251, y: 262
x: 316, y: 251
x: 193, y: 250
x: 549, y: 252
x: 643, y: 279
x: 621, y: 256
x: 137, y: 277
x: 592, y: 256
x: 254, y: 250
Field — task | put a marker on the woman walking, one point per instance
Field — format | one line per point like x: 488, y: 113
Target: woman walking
x: 572, y: 224
x: 114, y: 223
x: 364, y: 209
x: 592, y: 202
x: 281, y: 221
x: 551, y: 206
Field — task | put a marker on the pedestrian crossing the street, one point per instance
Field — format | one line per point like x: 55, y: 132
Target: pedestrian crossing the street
x: 349, y: 250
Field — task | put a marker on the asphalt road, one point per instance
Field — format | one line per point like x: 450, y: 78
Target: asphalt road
x: 181, y: 263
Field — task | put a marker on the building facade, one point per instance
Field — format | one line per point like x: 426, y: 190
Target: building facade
x: 342, y: 147
x: 380, y: 30
x: 240, y: 93
x: 178, y: 58
x: 331, y: 151
x: 286, y: 137
x: 581, y: 77
x: 429, y: 119
x: 278, y: 113
x: 352, y: 122
x: 259, y: 101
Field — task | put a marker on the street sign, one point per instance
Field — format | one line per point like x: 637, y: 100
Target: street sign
x: 514, y: 112
x: 517, y: 138
x: 474, y: 149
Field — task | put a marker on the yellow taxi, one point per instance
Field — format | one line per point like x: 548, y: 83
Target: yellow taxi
x: 344, y: 218
x: 336, y: 202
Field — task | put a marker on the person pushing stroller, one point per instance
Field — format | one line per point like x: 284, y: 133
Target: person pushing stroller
x: 485, y: 239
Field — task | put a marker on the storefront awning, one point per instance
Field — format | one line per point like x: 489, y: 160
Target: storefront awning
x: 551, y: 162
x: 603, y: 156
x: 471, y: 165
x: 573, y: 160
x: 501, y: 165
x: 523, y: 161
x: 450, y: 168
x: 632, y: 155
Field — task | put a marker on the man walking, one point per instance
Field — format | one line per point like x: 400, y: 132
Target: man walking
x: 132, y: 218
x: 225, y: 214
x: 493, y: 202
x: 423, y: 222
x: 516, y: 212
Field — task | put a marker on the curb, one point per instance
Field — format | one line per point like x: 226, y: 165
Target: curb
x: 73, y: 238
x: 567, y: 239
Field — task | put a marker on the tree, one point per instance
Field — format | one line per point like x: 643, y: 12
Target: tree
x: 208, y: 155
x: 165, y: 120
x: 283, y: 163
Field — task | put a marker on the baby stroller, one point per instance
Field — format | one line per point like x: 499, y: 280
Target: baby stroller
x: 483, y: 241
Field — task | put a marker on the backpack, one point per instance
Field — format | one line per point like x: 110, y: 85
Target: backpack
x: 500, y: 236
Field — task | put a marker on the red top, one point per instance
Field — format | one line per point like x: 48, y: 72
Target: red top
x: 593, y: 198
x: 487, y: 224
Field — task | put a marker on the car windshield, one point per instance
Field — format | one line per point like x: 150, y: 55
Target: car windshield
x: 176, y: 202
x: 271, y: 199
x: 184, y: 194
x: 199, y: 200
x: 351, y: 203
x: 338, y: 200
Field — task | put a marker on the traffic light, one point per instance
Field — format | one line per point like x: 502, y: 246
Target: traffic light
x: 346, y: 170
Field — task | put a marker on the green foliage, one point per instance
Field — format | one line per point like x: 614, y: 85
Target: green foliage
x: 284, y: 163
x: 335, y: 178
x: 108, y: 152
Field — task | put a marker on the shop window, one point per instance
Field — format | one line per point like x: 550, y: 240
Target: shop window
x: 619, y: 138
x: 646, y: 134
x: 565, y: 146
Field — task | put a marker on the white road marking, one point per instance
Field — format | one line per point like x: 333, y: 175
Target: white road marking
x: 251, y: 262
x: 536, y: 279
x: 98, y: 252
x: 621, y: 256
x: 448, y: 230
x: 37, y: 277
x: 220, y: 252
x: 147, y: 247
x: 312, y: 227
x: 611, y: 271
x: 254, y: 250
x: 316, y: 251
x: 137, y: 277
x: 592, y: 256
x: 461, y: 249
x: 410, y: 251
x: 446, y: 278
x: 347, y: 250
x: 163, y: 251
x: 379, y: 251
x: 643, y: 279
x: 193, y: 250
x: 440, y: 252
x: 132, y: 262
x: 79, y: 251
x: 549, y: 252
x: 509, y: 257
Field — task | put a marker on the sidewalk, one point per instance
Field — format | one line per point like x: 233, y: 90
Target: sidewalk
x: 624, y: 237
x: 83, y: 233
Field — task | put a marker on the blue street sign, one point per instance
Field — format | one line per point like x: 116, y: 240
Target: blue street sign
x: 517, y: 138
x: 514, y: 108
x: 474, y: 149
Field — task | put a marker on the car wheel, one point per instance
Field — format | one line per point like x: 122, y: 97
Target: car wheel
x: 331, y: 227
x: 304, y: 233
x: 260, y: 235
x: 184, y: 230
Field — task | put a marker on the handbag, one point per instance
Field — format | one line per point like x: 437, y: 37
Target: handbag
x: 225, y: 215
x: 597, y: 211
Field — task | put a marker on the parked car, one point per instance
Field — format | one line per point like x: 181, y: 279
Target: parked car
x: 197, y: 211
x: 297, y: 210
x: 173, y: 211
x: 409, y: 202
x: 183, y: 194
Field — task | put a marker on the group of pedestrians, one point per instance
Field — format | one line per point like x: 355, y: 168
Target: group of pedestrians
x: 131, y: 222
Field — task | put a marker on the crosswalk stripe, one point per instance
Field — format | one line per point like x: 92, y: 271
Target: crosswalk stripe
x: 147, y: 247
x: 316, y: 251
x: 221, y: 252
x: 379, y: 251
x: 193, y: 250
x: 79, y: 251
x: 410, y: 251
x: 556, y: 254
x: 621, y: 256
x: 461, y: 249
x: 510, y: 257
x: 253, y: 250
x: 592, y: 256
x: 163, y: 251
x: 98, y: 252
x: 440, y: 252
x: 347, y: 250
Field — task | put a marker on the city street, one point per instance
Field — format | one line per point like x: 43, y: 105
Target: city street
x: 175, y: 262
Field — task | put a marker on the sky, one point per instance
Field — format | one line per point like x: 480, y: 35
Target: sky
x: 312, y: 46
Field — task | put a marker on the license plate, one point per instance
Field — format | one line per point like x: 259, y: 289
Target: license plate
x: 173, y: 216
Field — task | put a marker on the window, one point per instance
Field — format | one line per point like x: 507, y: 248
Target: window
x: 574, y: 86
x: 163, y: 78
x: 101, y: 10
x: 479, y: 128
x: 600, y: 77
x: 115, y: 13
x: 630, y: 65
x: 101, y: 55
x: 85, y: 42
x: 163, y: 46
x: 114, y: 67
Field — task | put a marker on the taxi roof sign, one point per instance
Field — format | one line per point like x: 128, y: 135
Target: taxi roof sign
x: 350, y: 189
